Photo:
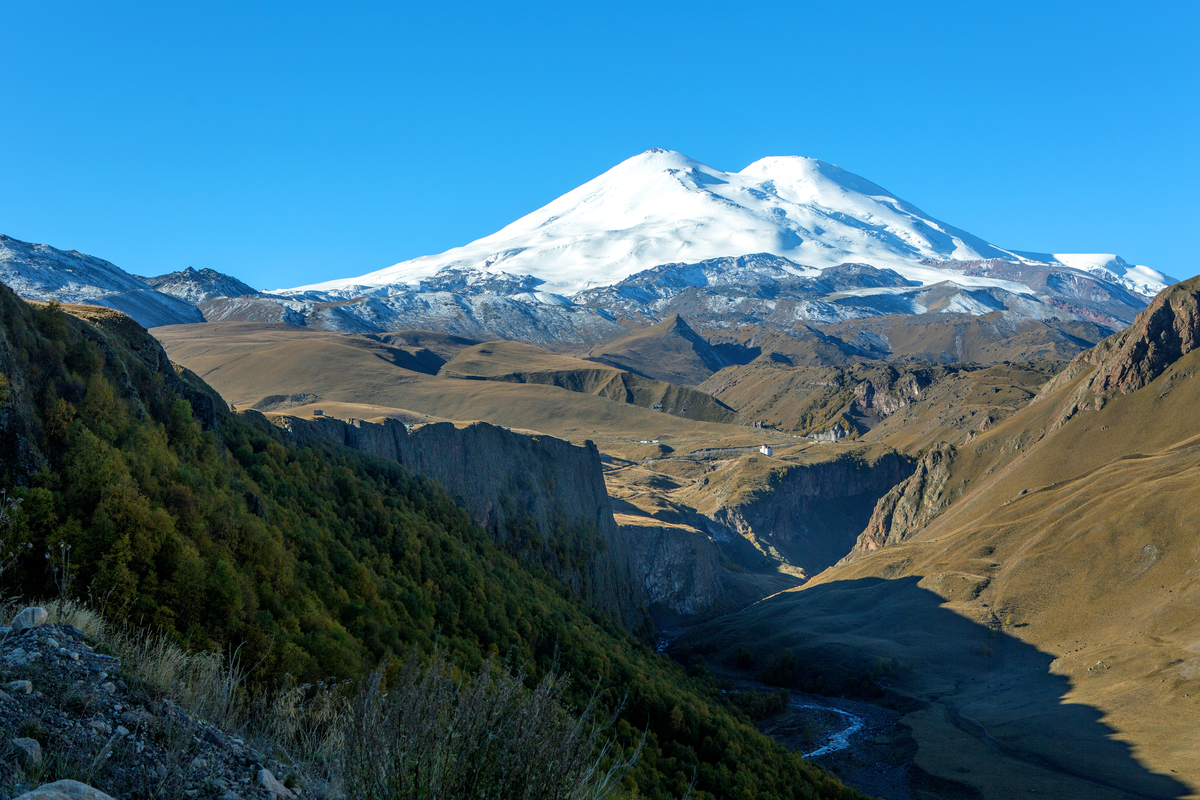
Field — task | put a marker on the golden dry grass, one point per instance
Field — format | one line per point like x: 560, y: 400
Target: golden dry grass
x: 494, y: 359
x: 1071, y: 557
x: 657, y: 352
x: 246, y: 362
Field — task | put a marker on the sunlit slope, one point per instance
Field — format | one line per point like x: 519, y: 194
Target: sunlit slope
x: 988, y: 338
x: 669, y: 351
x: 1086, y: 548
x: 514, y: 362
x: 248, y: 362
x: 909, y: 406
x: 1053, y: 560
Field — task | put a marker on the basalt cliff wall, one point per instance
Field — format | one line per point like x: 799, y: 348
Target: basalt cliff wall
x: 680, y: 568
x: 541, y: 497
x: 811, y: 515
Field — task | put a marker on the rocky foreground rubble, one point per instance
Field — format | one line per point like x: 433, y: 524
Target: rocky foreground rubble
x: 73, y: 726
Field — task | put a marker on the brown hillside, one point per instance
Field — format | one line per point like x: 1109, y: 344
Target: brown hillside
x: 907, y: 405
x: 247, y: 362
x: 986, y: 339
x: 668, y: 351
x: 1037, y: 588
x: 514, y: 362
x: 747, y: 514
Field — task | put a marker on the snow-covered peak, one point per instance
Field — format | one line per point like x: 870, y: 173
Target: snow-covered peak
x: 42, y: 272
x: 661, y: 207
x: 1111, y: 267
x: 197, y: 286
x: 809, y: 180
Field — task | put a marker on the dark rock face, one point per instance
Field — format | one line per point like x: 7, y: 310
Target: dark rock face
x: 679, y: 567
x: 506, y: 482
x: 810, y: 515
x: 910, y: 505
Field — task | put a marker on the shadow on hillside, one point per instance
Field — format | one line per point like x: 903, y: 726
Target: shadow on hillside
x: 994, y: 687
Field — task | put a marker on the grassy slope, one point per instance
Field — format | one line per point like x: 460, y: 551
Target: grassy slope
x: 522, y: 363
x: 247, y: 362
x: 659, y: 352
x: 957, y: 405
x: 351, y: 560
x: 988, y: 338
x: 1056, y: 602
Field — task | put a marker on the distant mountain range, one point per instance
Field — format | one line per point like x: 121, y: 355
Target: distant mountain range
x: 42, y: 272
x: 785, y: 243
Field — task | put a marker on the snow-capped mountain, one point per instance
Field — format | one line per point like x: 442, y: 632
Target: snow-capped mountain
x: 42, y: 272
x: 785, y: 242
x: 662, y: 207
x: 198, y: 285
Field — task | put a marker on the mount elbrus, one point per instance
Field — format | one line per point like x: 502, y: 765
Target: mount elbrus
x: 785, y: 241
x: 827, y: 442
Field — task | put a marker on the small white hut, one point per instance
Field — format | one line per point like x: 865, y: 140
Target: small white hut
x: 766, y: 450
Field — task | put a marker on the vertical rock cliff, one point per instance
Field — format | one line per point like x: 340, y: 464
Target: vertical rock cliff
x: 679, y: 567
x: 541, y: 497
x: 809, y: 515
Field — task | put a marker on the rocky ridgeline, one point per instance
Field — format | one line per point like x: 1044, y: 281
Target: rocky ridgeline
x: 1127, y: 361
x: 910, y: 505
x: 72, y: 723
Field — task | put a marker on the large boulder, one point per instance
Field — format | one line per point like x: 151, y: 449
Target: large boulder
x: 31, y: 617
x: 29, y: 753
x: 65, y: 790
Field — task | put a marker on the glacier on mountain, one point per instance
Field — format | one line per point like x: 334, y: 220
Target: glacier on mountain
x: 785, y: 242
x: 662, y: 207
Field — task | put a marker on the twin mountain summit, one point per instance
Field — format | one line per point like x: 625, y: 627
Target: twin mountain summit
x: 783, y: 242
x: 779, y: 423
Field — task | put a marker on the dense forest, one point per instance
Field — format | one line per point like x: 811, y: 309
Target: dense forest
x: 144, y: 496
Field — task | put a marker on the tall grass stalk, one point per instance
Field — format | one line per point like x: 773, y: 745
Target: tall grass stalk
x: 429, y: 735
x: 208, y: 685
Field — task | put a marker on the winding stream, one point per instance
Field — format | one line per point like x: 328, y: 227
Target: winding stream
x: 839, y: 740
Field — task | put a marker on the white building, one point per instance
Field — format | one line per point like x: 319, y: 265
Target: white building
x: 766, y: 450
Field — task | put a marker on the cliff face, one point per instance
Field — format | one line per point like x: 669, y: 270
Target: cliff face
x: 679, y: 566
x: 888, y: 393
x: 541, y: 497
x: 809, y: 515
x: 910, y: 505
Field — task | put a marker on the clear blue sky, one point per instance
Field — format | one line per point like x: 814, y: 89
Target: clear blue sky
x: 291, y: 142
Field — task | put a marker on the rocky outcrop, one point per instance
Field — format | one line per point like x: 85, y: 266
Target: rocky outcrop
x: 64, y: 705
x: 809, y: 515
x: 679, y: 566
x: 886, y: 394
x: 508, y: 482
x: 910, y: 505
x: 1127, y: 361
x: 65, y: 790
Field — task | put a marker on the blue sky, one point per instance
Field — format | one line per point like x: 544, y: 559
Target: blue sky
x: 286, y: 143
